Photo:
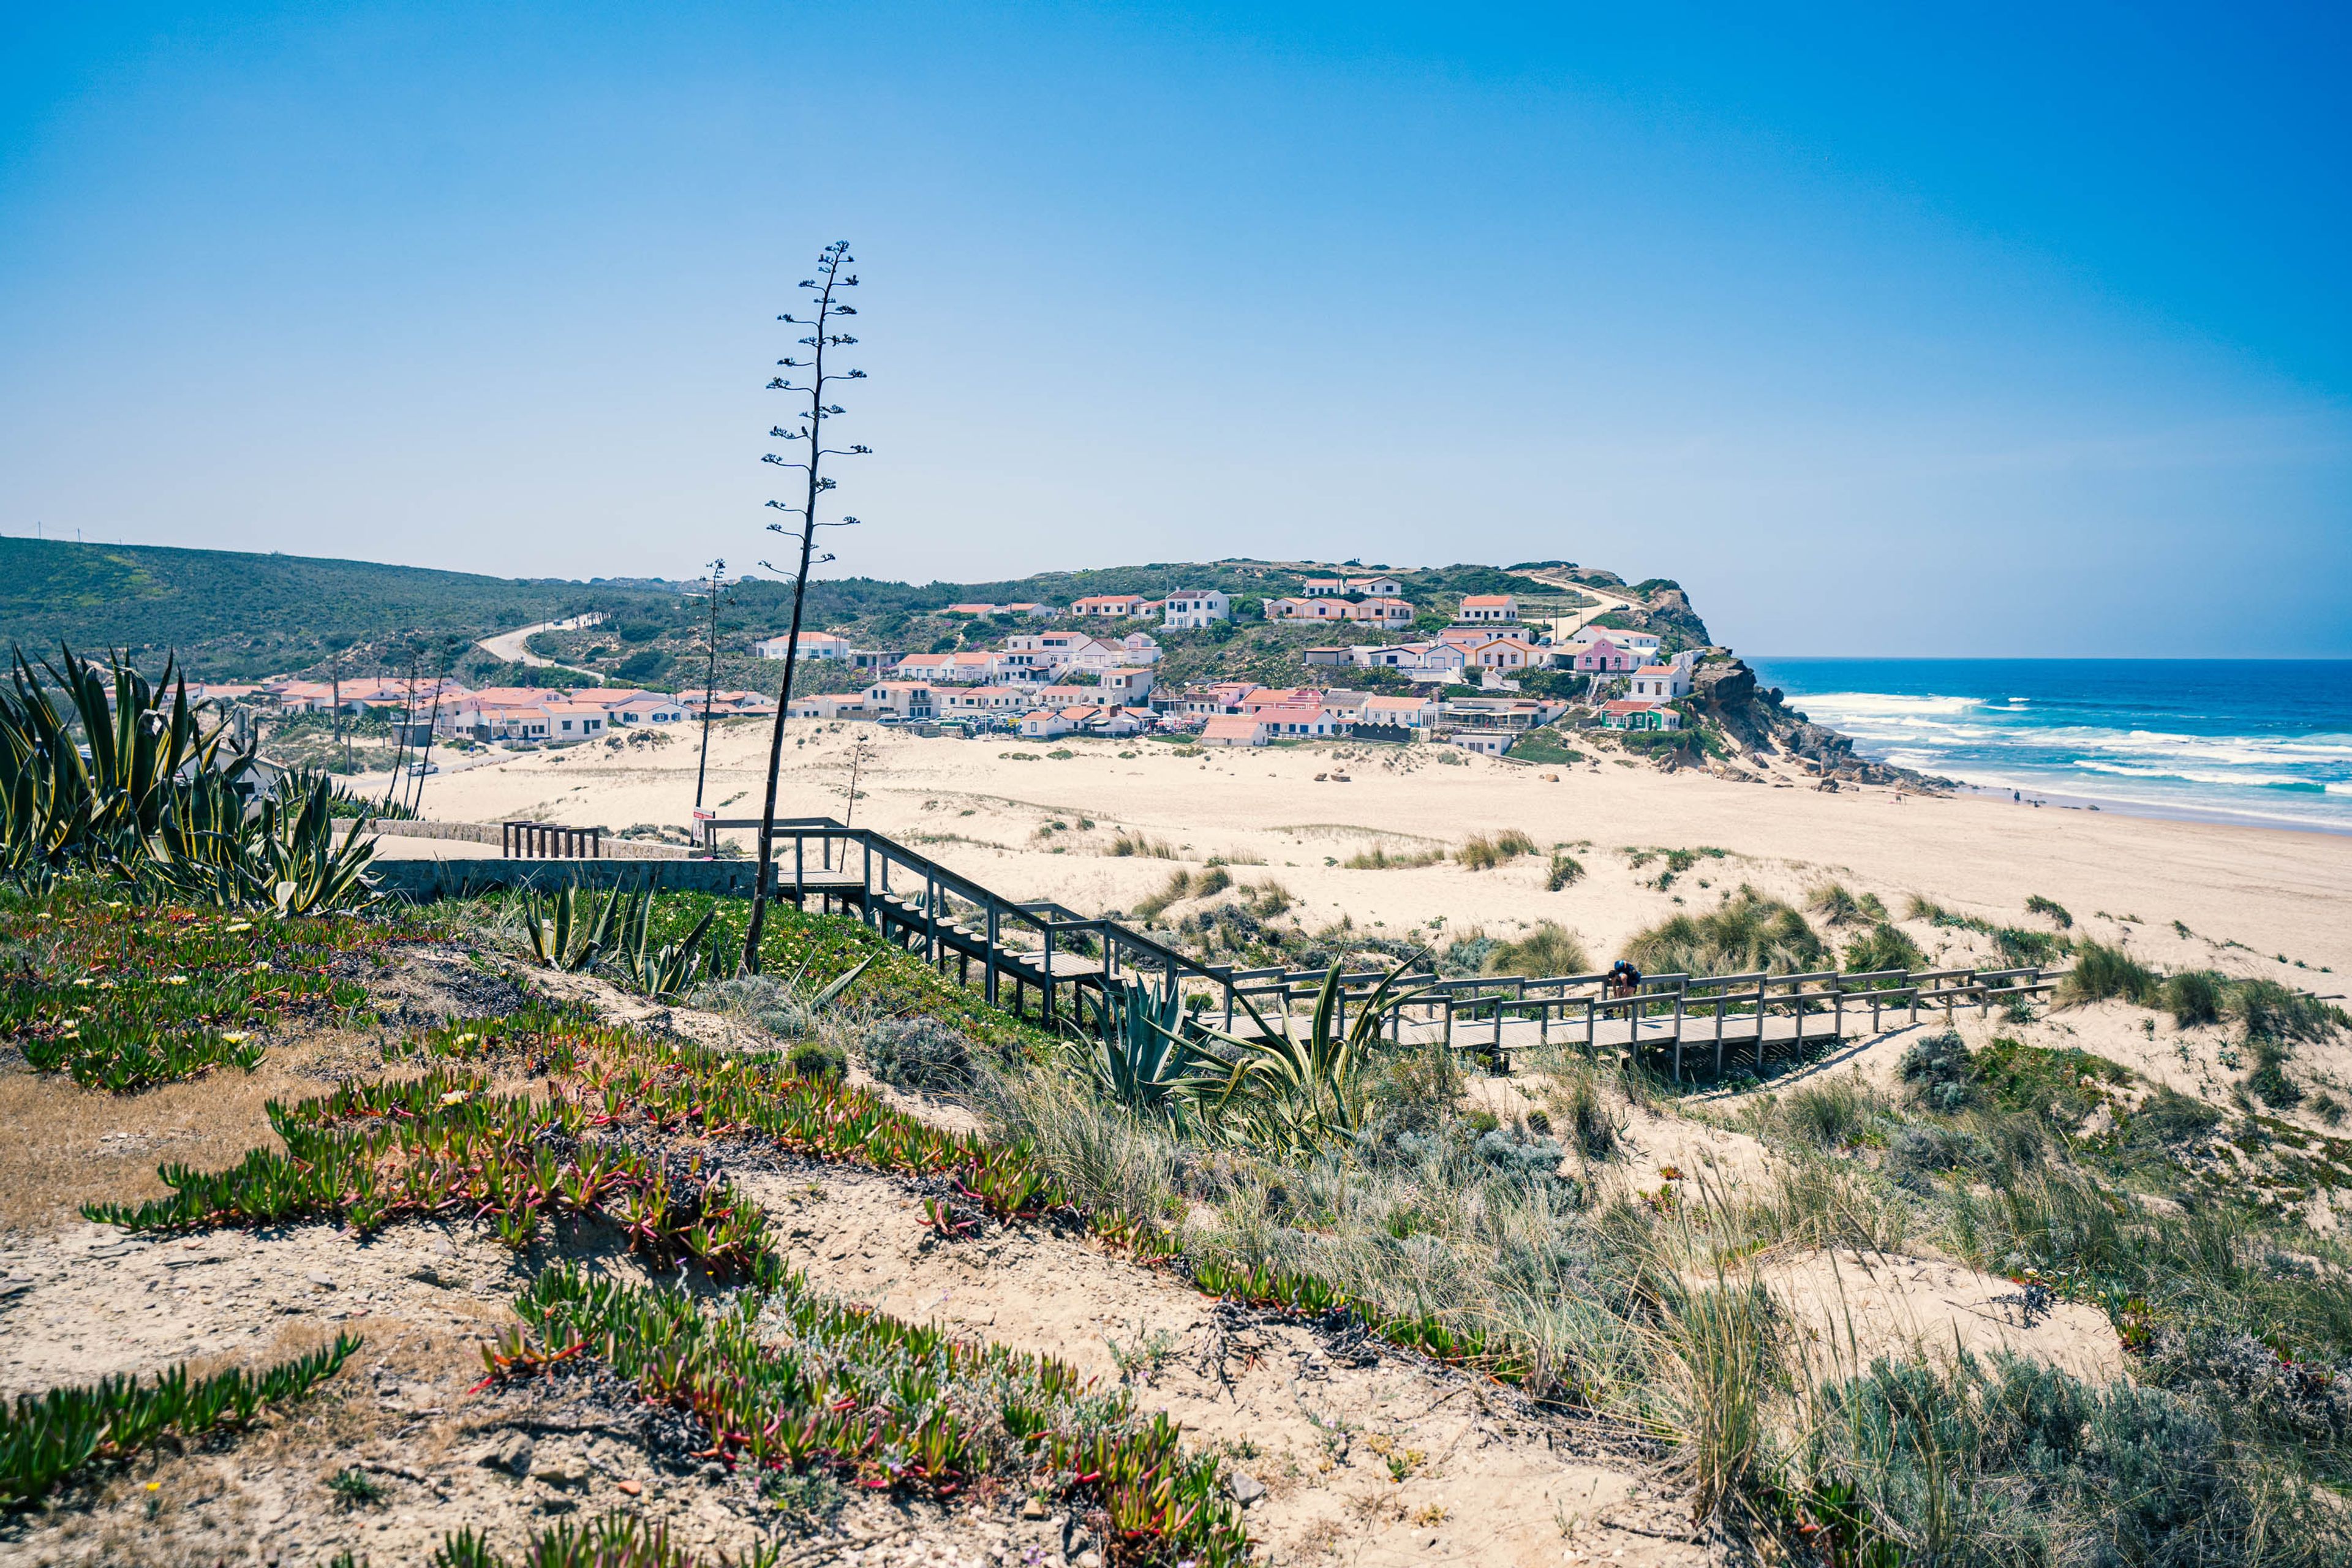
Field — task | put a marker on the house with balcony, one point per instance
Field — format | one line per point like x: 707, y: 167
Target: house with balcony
x: 1116, y: 607
x: 1340, y: 587
x: 1129, y: 688
x: 993, y: 704
x: 1194, y: 609
x: 902, y: 699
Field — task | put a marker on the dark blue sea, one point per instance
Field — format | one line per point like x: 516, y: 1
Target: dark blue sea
x: 2266, y: 740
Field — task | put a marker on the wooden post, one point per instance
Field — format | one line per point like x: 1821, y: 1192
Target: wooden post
x: 1049, y: 970
x: 989, y: 979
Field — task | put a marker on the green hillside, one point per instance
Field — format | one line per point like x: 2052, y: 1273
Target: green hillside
x: 232, y: 614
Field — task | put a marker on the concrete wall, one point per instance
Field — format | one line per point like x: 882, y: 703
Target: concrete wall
x: 423, y: 881
x: 494, y: 834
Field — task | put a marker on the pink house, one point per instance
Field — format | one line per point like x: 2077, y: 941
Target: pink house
x: 1602, y: 657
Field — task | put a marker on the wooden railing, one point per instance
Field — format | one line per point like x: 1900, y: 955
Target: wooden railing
x: 1041, y: 946
x: 551, y: 840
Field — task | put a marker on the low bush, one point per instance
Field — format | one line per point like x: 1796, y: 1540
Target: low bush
x: 45, y: 1439
x: 2195, y: 997
x: 1484, y: 852
x: 1565, y: 870
x: 920, y: 1054
x: 2051, y: 910
x: 793, y: 1380
x: 1377, y: 857
x: 1549, y: 949
x: 1839, y: 905
x: 1883, y: 947
x: 2102, y: 972
x: 1747, y: 931
x: 123, y: 995
x: 1939, y: 1071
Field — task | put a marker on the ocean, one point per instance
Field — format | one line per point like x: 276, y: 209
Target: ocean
x: 2245, y: 740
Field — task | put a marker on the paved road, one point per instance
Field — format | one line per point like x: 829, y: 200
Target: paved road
x: 509, y: 646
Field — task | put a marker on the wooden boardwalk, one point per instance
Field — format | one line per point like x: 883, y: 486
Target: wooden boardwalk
x: 1048, y: 962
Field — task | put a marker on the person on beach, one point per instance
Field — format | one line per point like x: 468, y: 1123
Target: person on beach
x: 1623, y: 980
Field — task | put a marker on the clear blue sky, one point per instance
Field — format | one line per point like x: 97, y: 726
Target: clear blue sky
x: 1884, y: 330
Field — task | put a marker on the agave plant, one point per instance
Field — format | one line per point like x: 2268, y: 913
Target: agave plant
x: 1147, y: 1056
x: 560, y: 937
x: 1291, y: 1094
x: 673, y: 967
x: 59, y: 806
x: 280, y: 853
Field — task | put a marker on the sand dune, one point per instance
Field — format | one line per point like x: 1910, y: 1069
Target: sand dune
x: 989, y: 814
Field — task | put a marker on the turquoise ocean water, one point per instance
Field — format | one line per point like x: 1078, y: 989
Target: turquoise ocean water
x: 2255, y: 739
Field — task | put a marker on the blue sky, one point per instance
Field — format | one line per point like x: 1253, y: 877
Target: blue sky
x: 1991, y: 331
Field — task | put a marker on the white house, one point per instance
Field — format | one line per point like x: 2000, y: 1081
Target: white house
x: 1659, y: 683
x: 1127, y: 686
x: 1116, y: 607
x: 1335, y: 587
x: 647, y: 707
x: 906, y: 698
x: 575, y: 720
x: 1487, y: 609
x: 1233, y: 729
x: 985, y: 702
x: 1506, y: 653
x: 1398, y: 713
x: 1044, y: 724
x: 831, y: 705
x: 813, y: 644
x: 1194, y: 609
x: 1485, y: 743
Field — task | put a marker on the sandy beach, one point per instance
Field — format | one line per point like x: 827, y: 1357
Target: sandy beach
x: 988, y: 809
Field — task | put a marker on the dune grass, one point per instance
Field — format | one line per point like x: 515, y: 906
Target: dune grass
x: 1747, y: 932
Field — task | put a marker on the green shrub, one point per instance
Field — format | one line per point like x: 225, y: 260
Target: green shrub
x: 1883, y: 947
x: 1747, y: 932
x: 918, y: 1054
x: 47, y: 1439
x: 2275, y: 1012
x: 2009, y: 1461
x: 2054, y: 911
x: 816, y: 1059
x: 1839, y: 906
x: 1481, y: 852
x: 2195, y: 997
x: 2020, y: 948
x: 2102, y: 972
x: 1549, y: 949
x: 1565, y: 870
x: 1940, y: 1072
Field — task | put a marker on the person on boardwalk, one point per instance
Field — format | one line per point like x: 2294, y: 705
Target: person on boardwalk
x: 1623, y: 979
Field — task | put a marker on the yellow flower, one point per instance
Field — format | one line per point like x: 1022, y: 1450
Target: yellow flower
x: 175, y: 980
x: 455, y: 1097
x: 237, y: 1037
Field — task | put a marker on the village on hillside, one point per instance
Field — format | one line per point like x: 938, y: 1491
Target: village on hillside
x: 1094, y: 667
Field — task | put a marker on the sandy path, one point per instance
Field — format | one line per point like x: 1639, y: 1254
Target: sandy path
x: 981, y: 812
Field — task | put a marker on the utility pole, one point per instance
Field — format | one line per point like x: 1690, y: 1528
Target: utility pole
x: 830, y: 280
x: 709, y: 677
